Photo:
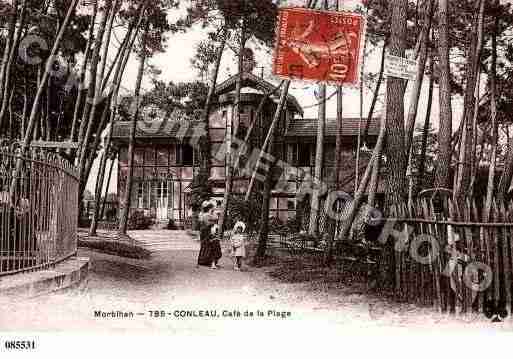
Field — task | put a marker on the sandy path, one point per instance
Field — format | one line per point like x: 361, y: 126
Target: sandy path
x: 171, y: 283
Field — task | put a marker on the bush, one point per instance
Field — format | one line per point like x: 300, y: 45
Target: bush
x: 116, y: 248
x: 139, y: 221
x: 245, y: 211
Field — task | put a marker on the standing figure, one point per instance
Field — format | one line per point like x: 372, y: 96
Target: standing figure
x: 237, y: 242
x: 215, y: 246
x: 207, y: 219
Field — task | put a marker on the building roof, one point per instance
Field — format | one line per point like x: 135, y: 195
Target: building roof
x: 155, y: 129
x: 297, y: 128
x: 250, y: 80
x: 350, y: 127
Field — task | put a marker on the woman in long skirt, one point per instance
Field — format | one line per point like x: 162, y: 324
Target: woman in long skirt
x: 215, y: 247
x: 207, y: 220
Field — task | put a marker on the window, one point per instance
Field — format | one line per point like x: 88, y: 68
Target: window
x: 303, y: 155
x: 291, y: 154
x: 139, y: 157
x: 149, y: 156
x: 185, y: 155
x: 161, y: 189
x: 162, y: 157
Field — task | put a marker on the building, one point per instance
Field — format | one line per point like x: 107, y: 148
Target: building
x: 166, y: 162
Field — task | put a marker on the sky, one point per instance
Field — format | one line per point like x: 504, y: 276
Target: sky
x: 175, y: 66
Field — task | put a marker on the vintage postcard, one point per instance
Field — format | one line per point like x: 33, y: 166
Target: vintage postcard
x: 255, y: 177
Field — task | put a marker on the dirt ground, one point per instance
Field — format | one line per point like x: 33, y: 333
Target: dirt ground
x: 165, y: 292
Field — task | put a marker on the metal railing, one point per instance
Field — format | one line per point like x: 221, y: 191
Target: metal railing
x: 38, y: 211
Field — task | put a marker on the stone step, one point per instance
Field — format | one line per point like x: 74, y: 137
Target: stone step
x: 69, y: 273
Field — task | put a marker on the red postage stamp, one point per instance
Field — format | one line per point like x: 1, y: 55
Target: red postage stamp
x: 322, y: 46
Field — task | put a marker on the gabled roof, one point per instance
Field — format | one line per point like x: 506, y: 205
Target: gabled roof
x: 308, y: 127
x: 258, y: 83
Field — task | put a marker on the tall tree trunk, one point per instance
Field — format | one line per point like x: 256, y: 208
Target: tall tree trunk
x: 313, y: 228
x: 39, y: 123
x: 48, y: 109
x: 12, y: 57
x: 120, y: 69
x: 232, y: 134
x: 82, y: 74
x: 417, y: 86
x: 495, y: 128
x: 44, y: 79
x: 11, y: 116
x: 397, y: 160
x: 109, y: 177
x: 262, y: 241
x: 374, y: 181
x: 442, y: 174
x: 25, y: 105
x: 474, y: 165
x: 205, y: 148
x: 11, y: 27
x: 507, y: 174
x: 125, y: 207
x: 43, y: 114
x: 355, y: 204
x: 119, y: 55
x: 264, y: 216
x: 100, y: 179
x: 474, y: 59
x: 35, y: 106
x: 205, y: 116
x: 427, y: 124
x: 338, y: 158
x: 99, y: 83
x: 411, y: 178
x: 376, y: 92
x: 90, y: 158
x: 319, y: 157
x: 270, y: 133
x: 257, y: 115
x: 93, y: 96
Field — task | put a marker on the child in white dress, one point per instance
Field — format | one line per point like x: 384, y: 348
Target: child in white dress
x: 237, y: 242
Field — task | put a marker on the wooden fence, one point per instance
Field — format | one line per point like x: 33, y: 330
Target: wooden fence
x: 450, y: 257
x: 38, y: 211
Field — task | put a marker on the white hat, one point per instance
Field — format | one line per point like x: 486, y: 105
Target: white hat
x: 240, y: 225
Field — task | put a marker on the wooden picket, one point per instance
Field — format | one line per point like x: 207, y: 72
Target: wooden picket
x: 458, y: 250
